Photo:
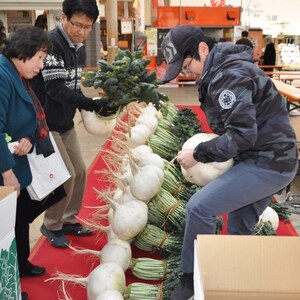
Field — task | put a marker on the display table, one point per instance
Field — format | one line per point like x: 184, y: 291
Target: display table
x: 285, y: 76
x: 291, y: 93
x: 278, y: 67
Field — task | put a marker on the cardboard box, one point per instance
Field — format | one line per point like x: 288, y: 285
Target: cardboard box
x: 9, y: 271
x: 231, y: 267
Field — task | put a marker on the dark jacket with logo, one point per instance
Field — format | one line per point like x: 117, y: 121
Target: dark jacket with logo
x: 244, y: 108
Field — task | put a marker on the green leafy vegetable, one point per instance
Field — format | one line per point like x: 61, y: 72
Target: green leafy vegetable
x: 264, y: 228
x: 126, y: 80
x: 282, y: 211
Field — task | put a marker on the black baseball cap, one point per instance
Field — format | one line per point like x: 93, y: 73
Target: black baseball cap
x: 180, y: 42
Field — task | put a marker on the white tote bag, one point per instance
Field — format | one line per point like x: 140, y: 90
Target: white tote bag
x: 48, y: 173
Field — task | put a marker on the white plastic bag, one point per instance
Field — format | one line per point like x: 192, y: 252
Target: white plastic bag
x: 48, y: 173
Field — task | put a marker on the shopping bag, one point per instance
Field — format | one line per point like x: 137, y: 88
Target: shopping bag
x: 48, y: 173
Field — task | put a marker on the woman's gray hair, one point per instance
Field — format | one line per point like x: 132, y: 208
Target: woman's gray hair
x: 269, y: 39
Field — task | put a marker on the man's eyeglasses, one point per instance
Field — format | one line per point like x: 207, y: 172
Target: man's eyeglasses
x: 80, y: 26
x: 186, y: 69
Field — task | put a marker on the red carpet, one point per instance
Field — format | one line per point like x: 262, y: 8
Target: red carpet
x: 63, y: 261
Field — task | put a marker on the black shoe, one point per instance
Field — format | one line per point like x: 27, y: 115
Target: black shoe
x: 31, y: 270
x: 55, y: 237
x: 24, y: 296
x: 76, y: 229
x: 185, y: 289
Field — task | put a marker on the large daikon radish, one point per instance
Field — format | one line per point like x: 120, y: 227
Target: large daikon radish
x: 96, y: 124
x: 141, y: 149
x: 115, y: 250
x: 203, y: 173
x: 124, y: 195
x: 128, y: 218
x: 150, y: 121
x: 269, y: 214
x: 146, y: 183
x: 149, y: 159
x: 138, y: 135
x: 106, y: 276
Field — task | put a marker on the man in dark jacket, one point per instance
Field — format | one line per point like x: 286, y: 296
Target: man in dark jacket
x: 244, y: 108
x: 62, y: 75
x: 244, y: 40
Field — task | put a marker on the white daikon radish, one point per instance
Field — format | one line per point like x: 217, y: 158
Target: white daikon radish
x: 203, y: 173
x: 128, y: 218
x: 139, y: 135
x: 269, y: 214
x: 150, y: 121
x: 127, y: 195
x: 102, y: 230
x: 146, y: 183
x: 141, y: 149
x: 115, y: 250
x: 110, y: 295
x: 106, y: 276
x: 96, y: 124
x: 150, y: 110
x: 158, y: 171
x: 149, y: 159
x: 110, y: 232
x: 118, y: 251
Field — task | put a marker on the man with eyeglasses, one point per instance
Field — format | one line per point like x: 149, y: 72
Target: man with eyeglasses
x: 250, y: 117
x: 61, y: 78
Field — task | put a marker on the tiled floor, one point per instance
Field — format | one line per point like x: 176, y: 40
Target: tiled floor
x: 91, y: 144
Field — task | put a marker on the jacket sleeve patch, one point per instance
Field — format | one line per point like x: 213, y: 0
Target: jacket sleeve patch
x: 227, y: 99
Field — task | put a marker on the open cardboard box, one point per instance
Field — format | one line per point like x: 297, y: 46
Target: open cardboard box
x: 9, y: 271
x: 229, y: 267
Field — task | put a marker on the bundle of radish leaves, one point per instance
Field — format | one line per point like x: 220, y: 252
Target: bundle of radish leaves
x: 126, y: 80
x: 173, y: 131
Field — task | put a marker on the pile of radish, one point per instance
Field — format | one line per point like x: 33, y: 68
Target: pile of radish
x: 145, y: 204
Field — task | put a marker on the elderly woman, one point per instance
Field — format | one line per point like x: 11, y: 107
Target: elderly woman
x: 22, y: 120
x: 269, y: 56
